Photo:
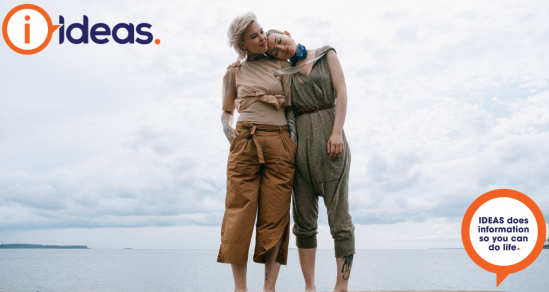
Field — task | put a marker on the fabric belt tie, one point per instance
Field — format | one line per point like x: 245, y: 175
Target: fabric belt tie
x: 259, y: 150
x: 311, y: 109
x: 253, y: 129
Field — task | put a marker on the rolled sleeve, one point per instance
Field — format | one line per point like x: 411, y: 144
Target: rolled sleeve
x: 229, y: 90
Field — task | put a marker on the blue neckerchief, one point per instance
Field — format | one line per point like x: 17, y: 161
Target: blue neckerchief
x: 300, y: 53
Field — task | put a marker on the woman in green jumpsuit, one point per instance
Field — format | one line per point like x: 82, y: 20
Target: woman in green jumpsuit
x: 323, y: 156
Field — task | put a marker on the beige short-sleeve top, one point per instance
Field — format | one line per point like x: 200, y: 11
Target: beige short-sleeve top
x: 254, y: 81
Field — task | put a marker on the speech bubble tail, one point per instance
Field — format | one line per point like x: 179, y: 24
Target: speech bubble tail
x: 55, y: 27
x: 500, y: 277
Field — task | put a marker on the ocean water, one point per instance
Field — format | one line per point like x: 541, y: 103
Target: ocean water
x: 197, y: 270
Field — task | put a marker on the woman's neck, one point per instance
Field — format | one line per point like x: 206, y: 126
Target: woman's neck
x: 254, y: 57
x: 311, y: 54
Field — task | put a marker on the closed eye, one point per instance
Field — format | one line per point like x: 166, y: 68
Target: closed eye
x: 275, y: 51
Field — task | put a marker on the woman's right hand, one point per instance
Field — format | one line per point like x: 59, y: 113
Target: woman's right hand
x: 234, y: 65
x: 231, y: 134
x: 226, y: 121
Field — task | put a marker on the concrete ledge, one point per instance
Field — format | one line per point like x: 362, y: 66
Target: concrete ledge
x: 374, y: 291
x: 423, y: 291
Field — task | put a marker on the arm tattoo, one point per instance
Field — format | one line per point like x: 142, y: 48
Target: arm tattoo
x: 226, y: 128
x: 347, y: 264
x: 290, y: 117
x: 265, y: 276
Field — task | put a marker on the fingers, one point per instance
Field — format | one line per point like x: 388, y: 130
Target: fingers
x: 232, y: 136
x: 332, y: 149
x: 339, y: 150
x: 335, y: 149
x: 233, y: 65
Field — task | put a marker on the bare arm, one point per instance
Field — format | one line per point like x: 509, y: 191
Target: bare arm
x: 229, y: 96
x: 227, y: 121
x: 290, y: 117
x: 335, y: 143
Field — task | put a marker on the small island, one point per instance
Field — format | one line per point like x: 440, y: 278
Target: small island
x: 20, y: 246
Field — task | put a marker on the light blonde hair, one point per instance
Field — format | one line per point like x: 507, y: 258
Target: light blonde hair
x: 235, y: 34
x: 271, y: 31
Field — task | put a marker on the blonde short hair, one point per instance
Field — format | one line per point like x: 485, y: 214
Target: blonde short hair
x: 235, y: 34
x: 271, y: 31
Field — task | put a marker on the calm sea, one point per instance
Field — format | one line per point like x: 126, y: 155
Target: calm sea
x: 197, y: 270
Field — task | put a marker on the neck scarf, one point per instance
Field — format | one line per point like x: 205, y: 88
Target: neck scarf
x: 300, y: 53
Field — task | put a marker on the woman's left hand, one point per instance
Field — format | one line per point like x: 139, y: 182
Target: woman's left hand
x: 335, y: 145
x: 234, y: 65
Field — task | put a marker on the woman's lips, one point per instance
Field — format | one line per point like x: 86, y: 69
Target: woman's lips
x: 263, y: 44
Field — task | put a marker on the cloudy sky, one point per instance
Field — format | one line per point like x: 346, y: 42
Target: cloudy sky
x: 121, y: 145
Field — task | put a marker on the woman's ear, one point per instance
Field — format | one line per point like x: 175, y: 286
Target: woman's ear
x: 242, y: 46
x: 287, y: 33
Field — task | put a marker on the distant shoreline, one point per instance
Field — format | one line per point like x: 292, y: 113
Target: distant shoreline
x: 35, y: 246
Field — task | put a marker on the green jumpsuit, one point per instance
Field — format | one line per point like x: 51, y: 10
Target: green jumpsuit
x: 315, y: 174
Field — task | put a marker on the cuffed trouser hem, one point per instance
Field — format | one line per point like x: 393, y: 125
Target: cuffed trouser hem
x: 306, y: 242
x: 345, y: 247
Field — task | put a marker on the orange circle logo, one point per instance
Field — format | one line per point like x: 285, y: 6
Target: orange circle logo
x: 503, y: 232
x: 28, y: 29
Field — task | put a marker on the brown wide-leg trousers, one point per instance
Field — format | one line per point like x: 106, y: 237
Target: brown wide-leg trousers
x: 260, y: 175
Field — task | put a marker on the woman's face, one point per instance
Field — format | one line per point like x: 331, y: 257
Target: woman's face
x: 254, y: 39
x: 281, y: 46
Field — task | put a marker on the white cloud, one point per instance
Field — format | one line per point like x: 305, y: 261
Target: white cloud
x: 446, y: 101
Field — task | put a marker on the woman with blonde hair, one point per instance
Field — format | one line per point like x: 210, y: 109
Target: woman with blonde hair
x: 260, y: 168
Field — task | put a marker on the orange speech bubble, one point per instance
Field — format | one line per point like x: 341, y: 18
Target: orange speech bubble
x: 502, y: 271
x: 51, y: 29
